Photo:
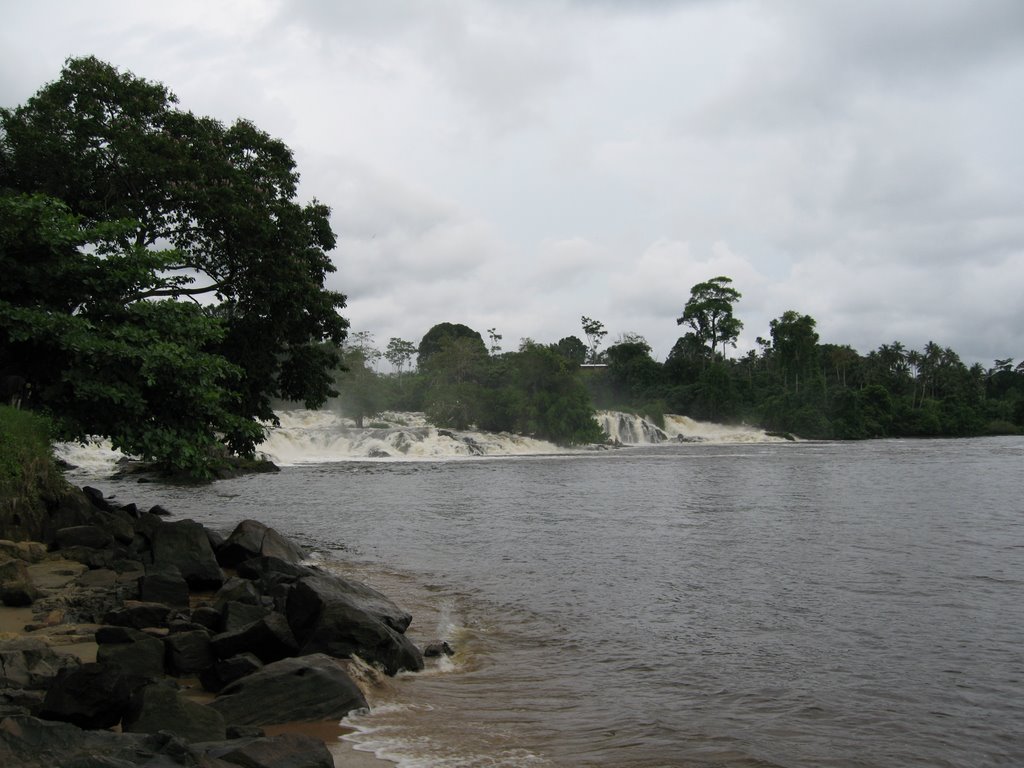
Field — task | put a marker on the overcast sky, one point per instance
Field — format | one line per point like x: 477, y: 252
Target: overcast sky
x: 515, y: 164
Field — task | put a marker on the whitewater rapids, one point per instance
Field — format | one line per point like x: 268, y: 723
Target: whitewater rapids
x: 323, y: 436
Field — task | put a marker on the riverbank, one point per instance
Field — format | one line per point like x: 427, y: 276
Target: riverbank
x: 129, y: 632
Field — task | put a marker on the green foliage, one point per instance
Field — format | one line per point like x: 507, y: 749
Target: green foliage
x: 27, y: 469
x: 709, y: 312
x: 118, y: 212
x: 435, y: 339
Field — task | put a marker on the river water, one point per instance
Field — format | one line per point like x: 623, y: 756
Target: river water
x: 761, y: 604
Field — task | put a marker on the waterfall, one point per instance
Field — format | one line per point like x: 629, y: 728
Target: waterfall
x: 307, y: 436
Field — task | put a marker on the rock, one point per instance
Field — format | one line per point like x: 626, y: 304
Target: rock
x: 245, y: 732
x: 90, y: 696
x: 237, y: 590
x: 159, y: 707
x: 188, y: 652
x: 270, y: 639
x: 16, y: 587
x: 183, y: 544
x: 55, y: 574
x: 29, y: 663
x: 95, y: 495
x: 140, y: 658
x: 208, y: 617
x: 138, y: 615
x: 288, y: 750
x: 159, y: 511
x: 291, y: 690
x: 227, y: 671
x: 164, y: 586
x: 343, y: 619
x: 27, y: 742
x: 438, y: 648
x: 253, y: 539
x: 91, y: 536
x: 235, y: 616
x: 29, y: 551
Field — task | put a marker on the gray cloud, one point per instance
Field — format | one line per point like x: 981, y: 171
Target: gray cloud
x: 519, y: 164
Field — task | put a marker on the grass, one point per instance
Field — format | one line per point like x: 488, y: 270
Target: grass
x: 27, y: 468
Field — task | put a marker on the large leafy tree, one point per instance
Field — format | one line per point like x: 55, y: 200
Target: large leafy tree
x: 709, y: 312
x: 162, y: 282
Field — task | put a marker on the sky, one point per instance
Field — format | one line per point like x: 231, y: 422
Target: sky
x: 518, y: 164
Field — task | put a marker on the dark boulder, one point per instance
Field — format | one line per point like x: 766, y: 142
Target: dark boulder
x: 343, y: 619
x: 235, y: 616
x: 254, y: 539
x: 164, y: 586
x: 302, y: 689
x: 29, y: 663
x: 184, y: 545
x: 139, y: 657
x: 159, y: 707
x: 272, y: 570
x: 270, y: 638
x: 27, y: 742
x: 438, y: 648
x: 139, y: 615
x: 288, y: 750
x: 188, y: 652
x: 237, y: 590
x: 91, y: 536
x: 207, y: 616
x: 16, y: 587
x: 223, y: 672
x: 90, y: 696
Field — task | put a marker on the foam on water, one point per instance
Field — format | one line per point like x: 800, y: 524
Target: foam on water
x: 323, y: 436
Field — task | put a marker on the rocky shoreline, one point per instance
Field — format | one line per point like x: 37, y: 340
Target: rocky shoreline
x: 142, y: 640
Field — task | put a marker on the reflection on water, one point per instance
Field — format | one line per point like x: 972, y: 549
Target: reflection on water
x: 802, y: 604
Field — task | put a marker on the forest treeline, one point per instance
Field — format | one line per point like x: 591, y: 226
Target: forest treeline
x: 792, y: 383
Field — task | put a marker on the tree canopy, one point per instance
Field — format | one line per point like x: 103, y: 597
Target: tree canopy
x: 162, y: 282
x: 709, y: 312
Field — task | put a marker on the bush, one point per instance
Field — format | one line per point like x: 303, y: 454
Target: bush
x: 27, y: 468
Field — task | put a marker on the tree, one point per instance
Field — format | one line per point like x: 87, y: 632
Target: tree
x: 572, y: 349
x: 399, y: 352
x: 594, y: 331
x: 495, y: 338
x: 434, y: 339
x: 796, y: 344
x: 709, y: 313
x: 130, y: 221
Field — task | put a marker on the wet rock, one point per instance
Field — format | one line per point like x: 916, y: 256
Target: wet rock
x: 184, y: 545
x: 289, y: 750
x: 159, y: 707
x: 90, y: 696
x: 270, y: 639
x: 29, y: 663
x: 207, y: 616
x: 165, y: 586
x: 91, y: 536
x: 253, y: 539
x: 28, y: 742
x: 16, y: 587
x: 138, y: 615
x: 235, y: 616
x: 301, y: 689
x: 237, y: 590
x: 188, y: 652
x: 140, y: 657
x: 343, y: 619
x: 438, y: 648
x: 227, y: 671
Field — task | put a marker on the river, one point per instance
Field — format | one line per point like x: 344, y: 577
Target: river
x: 735, y: 605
